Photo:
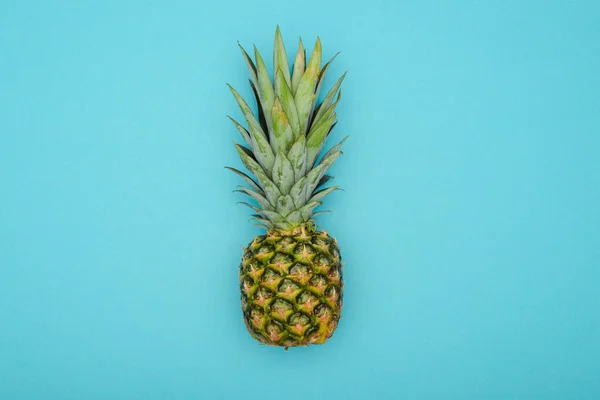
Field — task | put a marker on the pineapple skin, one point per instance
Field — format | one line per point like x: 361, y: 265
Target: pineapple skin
x: 291, y: 287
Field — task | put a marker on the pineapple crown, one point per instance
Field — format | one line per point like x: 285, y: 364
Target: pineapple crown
x: 284, y: 143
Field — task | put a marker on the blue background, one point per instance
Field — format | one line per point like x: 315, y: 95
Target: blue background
x: 470, y: 221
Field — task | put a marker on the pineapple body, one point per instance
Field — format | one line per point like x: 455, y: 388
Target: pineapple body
x: 291, y: 286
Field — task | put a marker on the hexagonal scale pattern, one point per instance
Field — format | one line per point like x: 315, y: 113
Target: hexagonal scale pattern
x: 291, y: 287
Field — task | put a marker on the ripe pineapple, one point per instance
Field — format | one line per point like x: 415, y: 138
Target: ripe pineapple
x: 290, y: 277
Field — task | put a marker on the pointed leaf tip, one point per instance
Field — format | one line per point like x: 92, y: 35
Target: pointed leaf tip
x: 280, y: 61
x: 305, y: 93
x: 264, y: 88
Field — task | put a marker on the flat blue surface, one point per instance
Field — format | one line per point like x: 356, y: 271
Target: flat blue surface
x: 470, y: 221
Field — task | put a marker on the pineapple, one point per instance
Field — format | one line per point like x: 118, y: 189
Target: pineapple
x: 290, y: 277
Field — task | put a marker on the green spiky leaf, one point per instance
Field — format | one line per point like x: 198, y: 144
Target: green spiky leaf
x: 272, y: 216
x: 283, y: 137
x: 262, y: 223
x: 270, y: 189
x: 261, y: 200
x: 307, y: 210
x: 283, y: 174
x: 329, y: 97
x: 286, y: 135
x: 263, y: 152
x: 243, y: 131
x: 305, y: 94
x: 326, y: 178
x: 250, y: 64
x: 320, y: 195
x: 285, y: 225
x: 302, y: 189
x: 260, y: 144
x: 285, y: 205
x: 326, y: 117
x: 250, y: 118
x: 256, y: 209
x: 286, y: 99
x: 323, y: 74
x: 299, y: 66
x: 261, y: 115
x: 296, y: 192
x: 316, y: 139
x: 319, y: 171
x: 264, y: 87
x: 302, y: 214
x: 280, y: 57
x: 253, y: 184
x: 297, y: 157
x: 335, y: 148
